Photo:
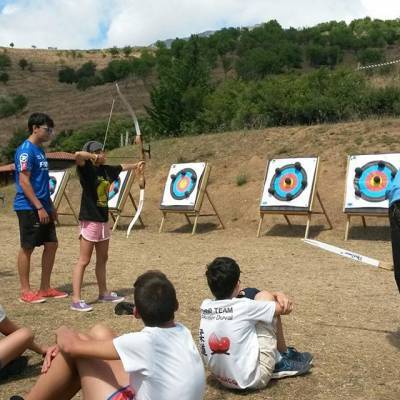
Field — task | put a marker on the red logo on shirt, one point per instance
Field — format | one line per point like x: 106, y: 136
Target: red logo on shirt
x: 23, y: 161
x: 219, y: 345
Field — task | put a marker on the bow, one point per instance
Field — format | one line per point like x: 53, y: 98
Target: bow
x: 143, y: 151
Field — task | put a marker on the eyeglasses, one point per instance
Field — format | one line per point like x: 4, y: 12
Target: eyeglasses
x: 47, y: 129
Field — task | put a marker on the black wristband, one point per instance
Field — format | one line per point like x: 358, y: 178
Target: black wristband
x: 40, y: 208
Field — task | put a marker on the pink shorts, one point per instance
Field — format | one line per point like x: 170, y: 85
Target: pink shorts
x: 94, y: 231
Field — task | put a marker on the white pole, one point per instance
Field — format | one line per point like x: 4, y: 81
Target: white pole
x: 343, y: 252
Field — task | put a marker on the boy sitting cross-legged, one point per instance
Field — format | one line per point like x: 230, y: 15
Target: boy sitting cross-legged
x: 241, y: 337
x: 159, y: 362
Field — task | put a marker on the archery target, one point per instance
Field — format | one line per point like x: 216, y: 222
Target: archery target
x: 289, y: 183
x: 55, y: 179
x: 368, y: 177
x: 116, y: 189
x: 181, y: 187
x: 183, y: 183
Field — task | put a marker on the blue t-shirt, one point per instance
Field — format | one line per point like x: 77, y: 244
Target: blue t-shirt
x: 393, y: 189
x: 32, y: 158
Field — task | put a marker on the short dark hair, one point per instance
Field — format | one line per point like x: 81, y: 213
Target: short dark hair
x: 37, y: 119
x: 222, y: 276
x: 155, y: 298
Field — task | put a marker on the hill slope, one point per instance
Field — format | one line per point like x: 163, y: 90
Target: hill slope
x: 69, y: 107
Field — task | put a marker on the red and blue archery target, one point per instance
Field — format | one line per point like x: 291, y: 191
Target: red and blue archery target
x: 52, y: 184
x: 372, y: 179
x: 183, y: 183
x: 288, y: 182
x: 114, y: 189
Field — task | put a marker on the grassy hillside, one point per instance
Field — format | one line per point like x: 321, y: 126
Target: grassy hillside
x: 69, y: 107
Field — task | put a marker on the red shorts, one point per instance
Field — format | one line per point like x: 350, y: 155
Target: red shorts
x: 95, y: 231
x: 125, y: 393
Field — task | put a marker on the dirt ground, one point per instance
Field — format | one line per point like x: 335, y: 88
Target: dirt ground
x: 346, y: 313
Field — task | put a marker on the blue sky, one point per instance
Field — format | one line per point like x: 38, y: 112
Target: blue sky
x: 84, y: 24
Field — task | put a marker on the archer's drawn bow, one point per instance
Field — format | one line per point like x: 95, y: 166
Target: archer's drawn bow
x: 139, y: 141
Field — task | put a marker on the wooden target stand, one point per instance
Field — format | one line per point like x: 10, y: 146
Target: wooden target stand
x: 196, y: 210
x: 63, y: 194
x: 291, y: 211
x: 362, y: 214
x: 116, y: 213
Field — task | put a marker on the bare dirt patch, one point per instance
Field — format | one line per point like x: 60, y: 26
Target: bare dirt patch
x: 345, y: 313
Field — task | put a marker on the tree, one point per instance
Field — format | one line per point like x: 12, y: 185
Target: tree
x: 369, y: 56
x: 23, y: 63
x: 87, y: 70
x: 178, y: 99
x: 5, y: 61
x: 127, y: 50
x: 4, y: 77
x: 114, y: 51
x: 67, y: 75
x: 11, y: 44
x: 8, y: 151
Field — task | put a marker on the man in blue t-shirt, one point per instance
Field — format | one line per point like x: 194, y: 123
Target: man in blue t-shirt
x: 34, y: 208
x: 393, y: 195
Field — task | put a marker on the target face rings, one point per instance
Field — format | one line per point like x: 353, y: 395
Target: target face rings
x: 114, y: 188
x: 288, y: 182
x: 372, y: 180
x: 52, y: 184
x: 183, y: 183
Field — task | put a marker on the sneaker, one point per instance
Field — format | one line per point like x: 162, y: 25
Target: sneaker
x: 112, y: 297
x: 287, y: 367
x: 31, y: 298
x: 124, y: 308
x: 292, y: 354
x: 81, y: 306
x: 14, y: 367
x: 54, y: 293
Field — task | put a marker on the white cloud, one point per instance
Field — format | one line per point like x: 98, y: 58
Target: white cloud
x: 61, y: 23
x: 105, y: 23
x: 383, y: 9
x: 141, y: 22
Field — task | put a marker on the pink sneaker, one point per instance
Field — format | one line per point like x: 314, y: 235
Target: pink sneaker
x: 31, y: 298
x: 54, y: 293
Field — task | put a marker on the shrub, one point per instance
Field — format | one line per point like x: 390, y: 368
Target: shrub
x: 10, y: 105
x: 4, y: 77
x: 23, y: 63
x: 241, y: 179
x: 5, y: 61
x: 67, y: 75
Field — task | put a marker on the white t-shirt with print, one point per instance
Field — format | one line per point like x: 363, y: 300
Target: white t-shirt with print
x: 163, y: 363
x: 228, y: 339
x: 2, y: 313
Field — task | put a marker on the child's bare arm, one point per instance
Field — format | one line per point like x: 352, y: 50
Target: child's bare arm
x: 82, y: 156
x: 284, y: 304
x: 138, y: 167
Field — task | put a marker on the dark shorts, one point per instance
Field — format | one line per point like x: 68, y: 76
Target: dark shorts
x: 249, y: 293
x: 31, y: 232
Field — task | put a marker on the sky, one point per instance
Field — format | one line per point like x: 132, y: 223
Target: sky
x: 93, y: 24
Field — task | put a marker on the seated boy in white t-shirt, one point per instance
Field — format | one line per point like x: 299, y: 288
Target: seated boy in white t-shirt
x: 159, y: 362
x: 241, y: 338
